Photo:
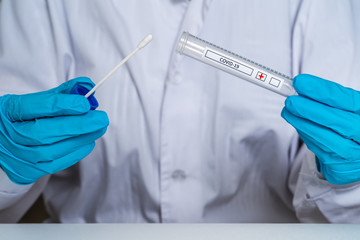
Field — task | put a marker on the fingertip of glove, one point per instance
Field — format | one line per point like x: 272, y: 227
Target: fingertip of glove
x: 77, y: 103
x: 300, y: 80
x: 84, y: 104
x: 295, y: 80
x: 103, y: 131
x: 287, y: 115
x: 104, y: 118
x: 289, y: 101
x: 97, y: 120
x: 284, y: 113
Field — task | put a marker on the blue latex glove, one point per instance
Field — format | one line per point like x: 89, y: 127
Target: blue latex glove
x: 43, y: 133
x: 326, y: 116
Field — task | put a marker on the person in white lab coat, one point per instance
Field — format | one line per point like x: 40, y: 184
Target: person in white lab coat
x: 185, y: 142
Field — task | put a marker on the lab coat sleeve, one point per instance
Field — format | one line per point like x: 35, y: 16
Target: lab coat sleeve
x: 326, y: 43
x: 34, y: 56
x: 316, y: 200
x: 9, y: 191
x: 15, y: 199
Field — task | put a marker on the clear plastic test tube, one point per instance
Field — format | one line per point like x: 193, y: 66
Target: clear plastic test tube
x: 232, y: 63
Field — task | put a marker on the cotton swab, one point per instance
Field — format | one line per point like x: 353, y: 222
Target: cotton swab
x: 142, y: 44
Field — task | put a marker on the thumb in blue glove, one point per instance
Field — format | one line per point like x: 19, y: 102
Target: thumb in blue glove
x: 326, y: 117
x: 42, y: 133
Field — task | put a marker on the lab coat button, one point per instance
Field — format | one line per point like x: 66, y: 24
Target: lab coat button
x: 177, y: 79
x: 178, y: 175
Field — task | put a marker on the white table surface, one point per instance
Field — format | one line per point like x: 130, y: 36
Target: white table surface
x: 178, y: 231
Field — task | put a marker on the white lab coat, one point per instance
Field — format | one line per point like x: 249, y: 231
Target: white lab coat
x: 186, y: 142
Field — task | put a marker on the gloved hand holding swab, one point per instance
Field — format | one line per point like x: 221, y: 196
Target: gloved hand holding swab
x: 142, y: 44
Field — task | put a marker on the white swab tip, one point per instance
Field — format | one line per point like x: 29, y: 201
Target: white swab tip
x: 145, y: 41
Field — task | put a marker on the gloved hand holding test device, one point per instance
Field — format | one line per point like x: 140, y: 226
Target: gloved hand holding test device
x: 324, y: 113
